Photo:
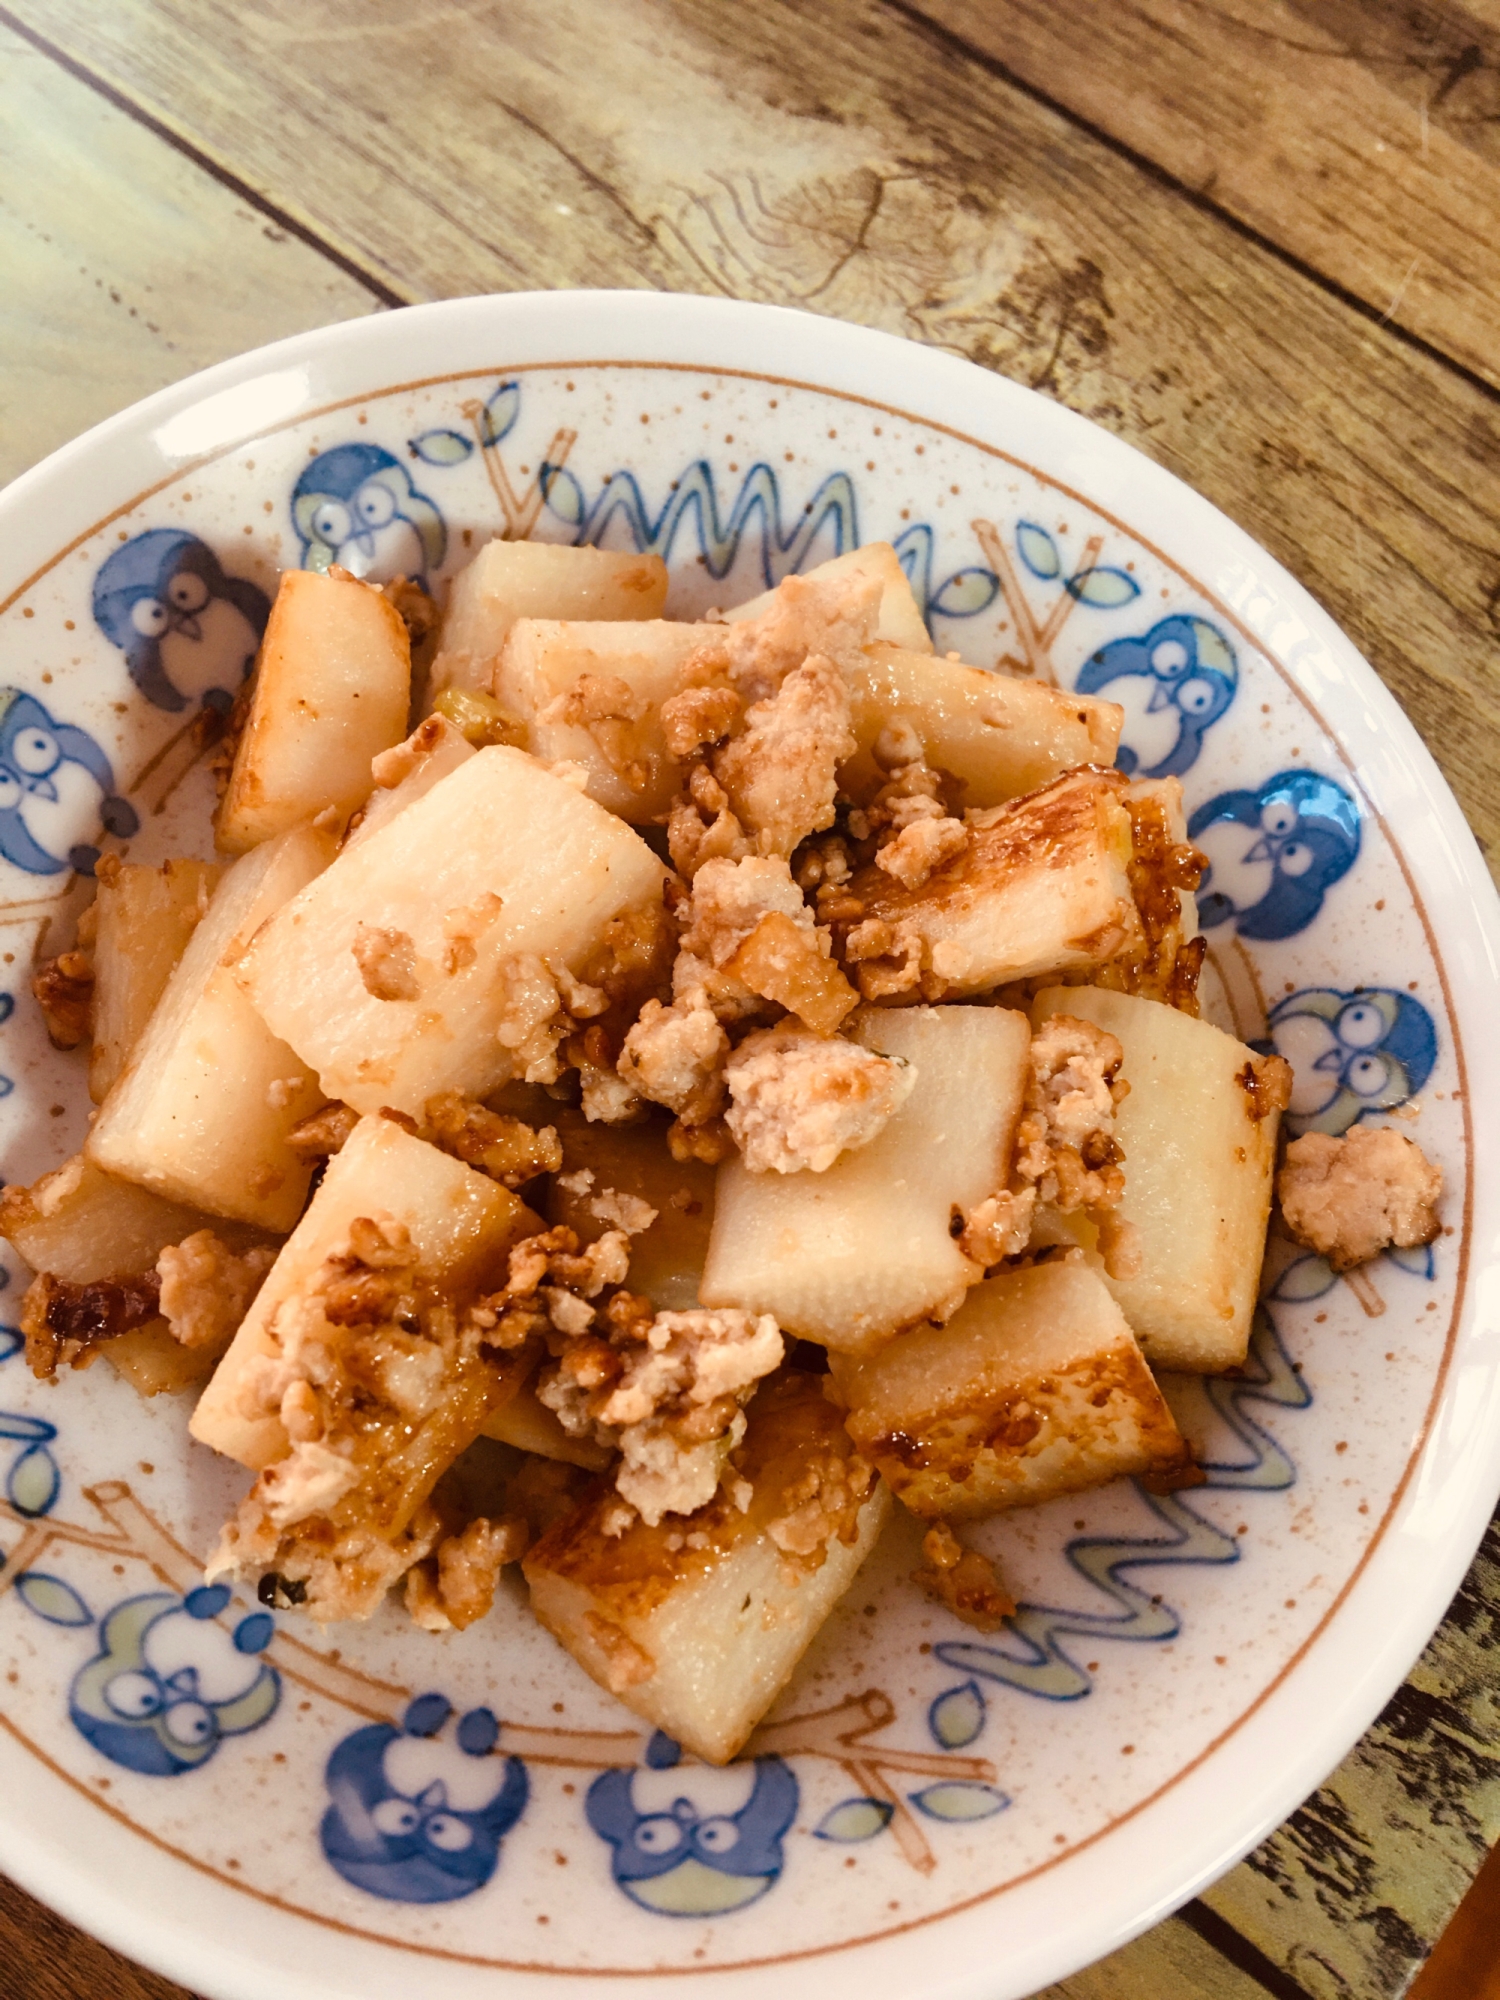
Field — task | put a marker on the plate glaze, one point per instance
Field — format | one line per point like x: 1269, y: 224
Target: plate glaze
x: 259, y: 1809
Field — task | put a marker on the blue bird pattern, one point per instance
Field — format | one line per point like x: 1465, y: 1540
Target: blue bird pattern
x: 1274, y: 853
x: 1353, y: 1053
x: 189, y: 631
x: 357, y: 506
x: 57, y: 789
x: 1174, y: 683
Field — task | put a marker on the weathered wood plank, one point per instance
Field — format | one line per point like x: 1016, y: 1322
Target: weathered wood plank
x: 1350, y: 1894
x: 1169, y: 1962
x: 46, y: 1959
x: 846, y: 159
x: 1325, y: 127
x: 126, y: 266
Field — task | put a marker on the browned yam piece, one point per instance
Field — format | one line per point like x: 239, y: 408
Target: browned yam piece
x: 633, y: 1161
x: 781, y: 961
x: 698, y: 1624
x: 1041, y: 885
x: 1035, y: 1387
x: 145, y: 917
x: 64, y: 1323
x: 63, y: 987
x: 80, y: 1223
x: 154, y: 1363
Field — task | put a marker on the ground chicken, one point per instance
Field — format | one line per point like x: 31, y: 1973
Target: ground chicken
x: 63, y: 988
x: 507, y: 1149
x: 455, y: 1587
x: 923, y: 844
x: 799, y: 1100
x: 836, y: 616
x: 779, y: 771
x: 1065, y: 1144
x: 206, y: 1290
x: 822, y: 1504
x: 1350, y: 1198
x: 675, y: 1056
x: 962, y: 1579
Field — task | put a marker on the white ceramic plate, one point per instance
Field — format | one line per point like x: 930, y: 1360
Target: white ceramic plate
x: 938, y: 1813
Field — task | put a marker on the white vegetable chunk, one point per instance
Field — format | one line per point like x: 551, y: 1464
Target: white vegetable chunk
x: 590, y: 694
x: 408, y: 773
x: 1035, y: 1387
x: 900, y: 620
x: 511, y: 580
x: 145, y: 918
x: 849, y: 1256
x: 1199, y: 1135
x: 1001, y: 735
x: 203, y: 1109
x: 80, y: 1224
x: 460, y: 1222
x: 332, y: 690
x: 397, y: 973
x: 700, y: 1638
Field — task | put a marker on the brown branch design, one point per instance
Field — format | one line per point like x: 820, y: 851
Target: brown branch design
x: 519, y: 511
x: 1036, y: 636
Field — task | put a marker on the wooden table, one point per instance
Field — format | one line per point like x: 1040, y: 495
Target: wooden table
x: 1258, y: 238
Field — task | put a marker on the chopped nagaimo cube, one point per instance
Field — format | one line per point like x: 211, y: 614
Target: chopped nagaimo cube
x: 443, y: 953
x: 1039, y: 885
x: 899, y: 621
x: 407, y: 773
x: 1035, y: 1387
x: 998, y: 735
x: 511, y: 580
x: 83, y: 1231
x: 144, y: 919
x: 458, y: 1224
x: 202, y: 1111
x: 332, y: 690
x: 698, y: 1623
x: 1198, y: 1131
x: 591, y: 695
x: 850, y: 1255
x: 623, y: 1177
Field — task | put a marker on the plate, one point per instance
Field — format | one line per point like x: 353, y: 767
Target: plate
x: 931, y: 1810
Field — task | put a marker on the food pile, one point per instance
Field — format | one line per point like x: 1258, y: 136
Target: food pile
x: 701, y: 1085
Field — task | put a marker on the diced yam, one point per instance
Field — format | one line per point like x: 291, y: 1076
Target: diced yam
x: 1041, y: 885
x: 395, y: 975
x: 332, y: 690
x: 79, y: 1224
x: 145, y: 918
x: 203, y: 1109
x: 849, y: 1256
x: 700, y: 1638
x: 461, y: 1225
x: 900, y: 619
x: 607, y: 1171
x: 526, y: 1423
x: 1199, y: 1136
x: 511, y: 580
x: 1001, y: 735
x: 781, y: 961
x: 155, y: 1363
x: 1035, y: 1387
x: 591, y: 694
x: 409, y: 772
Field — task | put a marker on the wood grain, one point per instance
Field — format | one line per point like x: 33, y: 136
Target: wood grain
x: 1345, y: 133
x: 125, y: 265
x: 849, y: 159
x: 46, y: 1959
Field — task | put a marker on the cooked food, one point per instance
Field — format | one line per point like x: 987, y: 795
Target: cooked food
x: 736, y: 1075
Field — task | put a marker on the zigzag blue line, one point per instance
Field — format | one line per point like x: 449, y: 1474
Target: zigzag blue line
x: 782, y: 550
x: 1044, y: 1667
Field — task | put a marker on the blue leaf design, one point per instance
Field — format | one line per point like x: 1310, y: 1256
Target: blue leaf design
x: 34, y: 1481
x: 7, y: 1006
x: 965, y: 593
x: 12, y: 1340
x: 7, y: 1085
x: 563, y: 494
x: 1038, y: 551
x: 442, y: 447
x: 500, y: 412
x: 1105, y: 589
x: 1303, y: 1279
x: 854, y: 1819
x: 957, y: 1717
x: 50, y: 1598
x: 1418, y: 1261
x: 960, y: 1799
x: 26, y: 1430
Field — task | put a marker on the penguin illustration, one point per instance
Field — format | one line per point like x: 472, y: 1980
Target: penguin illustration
x: 1173, y: 684
x: 188, y: 631
x: 695, y: 1842
x: 356, y: 506
x: 1274, y: 853
x: 416, y: 1819
x: 1351, y: 1053
x: 168, y: 1684
x: 56, y: 788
